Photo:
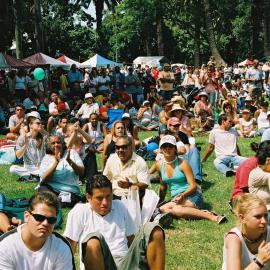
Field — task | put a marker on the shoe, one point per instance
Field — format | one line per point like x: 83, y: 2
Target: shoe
x: 22, y: 179
x: 164, y: 220
x: 229, y: 173
x: 33, y: 178
x: 221, y: 219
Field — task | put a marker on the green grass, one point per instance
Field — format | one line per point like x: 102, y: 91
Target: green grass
x: 189, y: 244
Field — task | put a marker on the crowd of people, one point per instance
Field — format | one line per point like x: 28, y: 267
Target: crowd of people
x: 60, y: 125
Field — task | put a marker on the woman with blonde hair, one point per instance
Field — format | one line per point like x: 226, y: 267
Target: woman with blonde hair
x: 247, y: 245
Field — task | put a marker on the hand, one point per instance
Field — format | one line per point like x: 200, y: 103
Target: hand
x: 57, y: 155
x: 178, y: 199
x: 264, y: 252
x: 76, y: 126
x: 123, y: 183
x: 68, y: 156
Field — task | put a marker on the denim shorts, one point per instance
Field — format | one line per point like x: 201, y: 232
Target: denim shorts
x: 196, y: 198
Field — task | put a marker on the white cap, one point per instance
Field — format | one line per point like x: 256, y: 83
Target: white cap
x: 34, y: 114
x: 167, y: 139
x: 126, y: 115
x: 88, y: 95
x: 145, y: 102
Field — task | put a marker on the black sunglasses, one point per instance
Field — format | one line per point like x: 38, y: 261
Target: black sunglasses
x: 124, y: 146
x: 41, y: 218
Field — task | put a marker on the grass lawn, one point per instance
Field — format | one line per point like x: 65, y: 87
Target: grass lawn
x: 189, y: 244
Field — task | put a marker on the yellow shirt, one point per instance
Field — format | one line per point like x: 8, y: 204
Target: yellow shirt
x: 136, y: 170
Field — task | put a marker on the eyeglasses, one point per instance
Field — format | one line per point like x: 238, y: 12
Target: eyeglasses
x: 167, y: 145
x: 124, y: 147
x: 41, y: 218
x: 57, y: 142
x: 177, y: 125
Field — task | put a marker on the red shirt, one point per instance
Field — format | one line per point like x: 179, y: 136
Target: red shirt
x: 102, y: 109
x: 242, y: 174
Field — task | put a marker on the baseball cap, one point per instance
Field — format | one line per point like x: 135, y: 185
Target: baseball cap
x: 167, y: 139
x: 145, y: 102
x: 173, y: 121
x: 126, y: 115
x: 34, y: 114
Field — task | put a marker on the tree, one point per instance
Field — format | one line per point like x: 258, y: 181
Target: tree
x: 17, y: 9
x: 38, y: 27
x: 266, y: 27
x: 211, y: 35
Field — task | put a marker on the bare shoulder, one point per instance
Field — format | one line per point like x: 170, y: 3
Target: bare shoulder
x: 232, y: 240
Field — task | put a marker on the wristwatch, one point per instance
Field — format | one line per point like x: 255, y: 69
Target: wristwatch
x: 261, y: 265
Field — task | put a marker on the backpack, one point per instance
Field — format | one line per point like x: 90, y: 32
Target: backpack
x: 16, y: 208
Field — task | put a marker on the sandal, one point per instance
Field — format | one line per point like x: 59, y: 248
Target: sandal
x: 221, y: 219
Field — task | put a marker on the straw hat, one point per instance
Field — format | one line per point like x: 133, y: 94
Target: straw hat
x: 177, y: 107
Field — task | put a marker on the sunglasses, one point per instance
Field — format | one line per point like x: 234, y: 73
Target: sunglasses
x: 177, y: 125
x: 41, y: 218
x: 124, y: 147
x: 167, y: 145
x: 57, y: 142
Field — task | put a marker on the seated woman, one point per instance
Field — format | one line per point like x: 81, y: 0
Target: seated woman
x: 246, y: 125
x: 83, y: 144
x: 145, y: 115
x: 60, y: 170
x: 228, y: 110
x: 203, y: 111
x: 187, y: 200
x: 118, y: 130
x: 261, y: 116
x: 97, y: 131
x: 247, y: 245
x: 259, y: 178
x: 132, y: 129
x: 31, y: 147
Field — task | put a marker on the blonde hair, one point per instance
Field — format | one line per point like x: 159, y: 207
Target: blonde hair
x: 114, y: 125
x: 243, y: 204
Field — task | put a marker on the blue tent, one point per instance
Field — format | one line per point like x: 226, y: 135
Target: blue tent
x: 99, y: 61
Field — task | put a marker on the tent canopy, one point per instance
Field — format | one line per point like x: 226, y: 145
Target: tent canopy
x: 41, y: 59
x: 7, y: 61
x: 68, y: 60
x: 246, y: 62
x: 99, y: 61
x: 151, y: 60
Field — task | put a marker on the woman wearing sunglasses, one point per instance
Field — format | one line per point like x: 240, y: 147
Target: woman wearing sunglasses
x: 31, y: 147
x: 176, y: 174
x: 60, y: 170
x: 34, y: 245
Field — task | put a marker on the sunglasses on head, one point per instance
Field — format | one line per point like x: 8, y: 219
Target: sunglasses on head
x: 41, y: 218
x: 124, y: 146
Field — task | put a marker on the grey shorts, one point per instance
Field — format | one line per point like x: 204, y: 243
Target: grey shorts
x: 136, y: 256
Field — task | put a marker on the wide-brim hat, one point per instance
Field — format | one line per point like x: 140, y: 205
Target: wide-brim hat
x: 203, y: 94
x: 88, y: 95
x: 177, y: 107
x: 245, y: 110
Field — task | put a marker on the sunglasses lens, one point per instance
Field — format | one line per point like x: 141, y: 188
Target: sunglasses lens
x: 41, y: 218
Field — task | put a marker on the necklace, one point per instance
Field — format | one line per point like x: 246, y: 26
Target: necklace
x: 253, y: 241
x: 170, y: 162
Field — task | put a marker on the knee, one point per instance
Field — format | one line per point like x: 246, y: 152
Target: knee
x: 93, y: 244
x: 157, y: 235
x: 12, y: 169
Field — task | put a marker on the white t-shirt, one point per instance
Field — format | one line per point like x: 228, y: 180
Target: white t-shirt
x: 86, y: 110
x: 55, y: 254
x: 115, y: 226
x: 225, y: 142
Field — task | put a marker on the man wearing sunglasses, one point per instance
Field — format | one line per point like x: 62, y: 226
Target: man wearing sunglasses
x: 125, y: 169
x: 34, y: 245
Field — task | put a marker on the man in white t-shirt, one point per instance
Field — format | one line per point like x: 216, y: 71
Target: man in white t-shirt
x: 106, y: 233
x: 34, y: 245
x: 224, y: 141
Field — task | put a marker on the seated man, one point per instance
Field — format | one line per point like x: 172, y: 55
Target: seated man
x: 15, y: 122
x: 105, y: 232
x: 34, y: 245
x: 125, y: 168
x: 224, y: 140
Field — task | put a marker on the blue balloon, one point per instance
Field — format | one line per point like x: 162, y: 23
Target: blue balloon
x: 151, y: 147
x: 39, y: 74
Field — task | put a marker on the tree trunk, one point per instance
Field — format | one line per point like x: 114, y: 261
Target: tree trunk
x: 160, y: 40
x: 210, y: 34
x: 197, y: 34
x: 99, y: 5
x: 17, y: 4
x: 38, y: 27
x: 255, y: 27
x: 266, y: 28
x: 148, y: 45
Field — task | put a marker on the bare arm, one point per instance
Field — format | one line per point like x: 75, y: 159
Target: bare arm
x: 208, y: 151
x: 17, y: 127
x: 73, y: 244
x: 77, y: 169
